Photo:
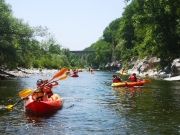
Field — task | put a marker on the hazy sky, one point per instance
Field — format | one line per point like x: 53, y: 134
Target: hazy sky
x: 75, y: 24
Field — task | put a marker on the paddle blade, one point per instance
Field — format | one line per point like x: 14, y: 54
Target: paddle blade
x: 63, y: 77
x: 26, y: 92
x: 9, y: 106
x: 60, y: 73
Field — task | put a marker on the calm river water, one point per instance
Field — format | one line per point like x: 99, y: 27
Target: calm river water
x: 93, y: 107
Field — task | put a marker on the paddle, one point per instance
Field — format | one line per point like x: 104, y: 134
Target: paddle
x: 11, y: 106
x: 61, y: 75
x: 24, y: 93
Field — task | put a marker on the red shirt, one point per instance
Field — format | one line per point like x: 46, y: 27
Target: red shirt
x: 133, y: 78
x: 116, y: 80
x: 47, y: 89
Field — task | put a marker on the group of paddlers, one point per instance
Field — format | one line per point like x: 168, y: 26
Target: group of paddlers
x: 132, y: 78
x: 44, y: 88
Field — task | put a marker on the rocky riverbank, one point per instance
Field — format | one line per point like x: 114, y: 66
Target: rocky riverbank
x: 21, y: 72
x: 148, y: 67
x: 145, y: 67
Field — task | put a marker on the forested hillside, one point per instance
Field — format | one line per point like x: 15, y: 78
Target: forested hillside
x: 147, y: 28
x: 20, y: 45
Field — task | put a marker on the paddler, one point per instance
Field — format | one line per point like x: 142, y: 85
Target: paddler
x: 133, y: 77
x: 44, y: 90
x: 116, y: 79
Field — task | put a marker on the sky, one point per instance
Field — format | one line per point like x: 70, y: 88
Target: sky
x: 75, y: 24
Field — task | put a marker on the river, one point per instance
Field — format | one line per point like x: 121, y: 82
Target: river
x: 93, y: 107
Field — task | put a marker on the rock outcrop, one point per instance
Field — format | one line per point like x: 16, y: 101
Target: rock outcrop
x: 149, y: 67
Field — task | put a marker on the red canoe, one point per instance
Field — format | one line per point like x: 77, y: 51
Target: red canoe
x: 44, y: 107
x: 74, y: 75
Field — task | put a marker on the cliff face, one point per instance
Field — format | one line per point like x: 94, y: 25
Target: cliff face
x: 176, y: 67
x: 149, y: 67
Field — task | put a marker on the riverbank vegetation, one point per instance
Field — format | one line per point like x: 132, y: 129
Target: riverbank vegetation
x: 24, y: 46
x: 146, y: 29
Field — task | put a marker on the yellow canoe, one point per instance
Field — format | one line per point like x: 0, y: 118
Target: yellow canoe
x: 129, y: 84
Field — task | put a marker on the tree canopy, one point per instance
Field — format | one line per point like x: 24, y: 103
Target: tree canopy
x: 147, y: 28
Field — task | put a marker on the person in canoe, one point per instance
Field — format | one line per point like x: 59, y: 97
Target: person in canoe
x: 133, y: 78
x: 116, y: 79
x: 44, y: 90
x: 74, y: 73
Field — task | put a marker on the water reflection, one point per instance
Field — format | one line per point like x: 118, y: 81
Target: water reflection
x: 128, y: 92
x: 37, y: 120
x: 151, y: 109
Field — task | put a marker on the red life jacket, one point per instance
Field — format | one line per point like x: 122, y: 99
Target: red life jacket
x: 47, y: 89
x: 116, y: 80
x: 133, y: 78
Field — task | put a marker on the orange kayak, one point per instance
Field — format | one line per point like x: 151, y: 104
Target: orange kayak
x: 52, y: 104
x: 129, y: 84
